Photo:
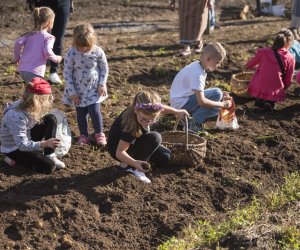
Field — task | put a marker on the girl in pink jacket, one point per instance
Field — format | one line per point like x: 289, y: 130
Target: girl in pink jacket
x: 274, y: 68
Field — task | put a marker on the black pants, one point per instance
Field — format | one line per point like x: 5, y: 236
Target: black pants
x: 260, y: 103
x: 61, y: 8
x: 148, y: 148
x: 36, y: 159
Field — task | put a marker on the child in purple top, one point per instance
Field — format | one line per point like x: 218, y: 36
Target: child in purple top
x: 32, y: 49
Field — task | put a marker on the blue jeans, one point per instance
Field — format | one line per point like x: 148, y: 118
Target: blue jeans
x: 200, y: 114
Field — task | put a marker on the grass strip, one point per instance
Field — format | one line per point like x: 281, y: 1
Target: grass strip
x: 204, y: 233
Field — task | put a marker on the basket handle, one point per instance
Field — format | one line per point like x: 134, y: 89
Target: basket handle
x: 185, y: 130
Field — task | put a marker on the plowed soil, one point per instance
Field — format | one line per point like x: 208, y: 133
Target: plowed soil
x: 100, y: 207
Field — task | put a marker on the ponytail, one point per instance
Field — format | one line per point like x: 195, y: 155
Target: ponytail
x: 284, y: 37
x: 41, y: 17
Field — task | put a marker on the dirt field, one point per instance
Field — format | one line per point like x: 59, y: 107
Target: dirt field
x: 97, y: 205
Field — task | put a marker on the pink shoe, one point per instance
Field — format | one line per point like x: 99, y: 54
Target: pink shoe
x: 82, y: 140
x: 100, y: 139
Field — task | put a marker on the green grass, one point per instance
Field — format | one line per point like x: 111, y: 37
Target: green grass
x: 205, y: 233
x: 222, y: 85
x: 290, y: 238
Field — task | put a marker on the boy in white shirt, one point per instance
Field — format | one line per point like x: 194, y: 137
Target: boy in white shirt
x: 188, y: 88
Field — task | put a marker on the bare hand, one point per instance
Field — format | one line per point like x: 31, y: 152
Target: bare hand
x: 75, y: 99
x: 227, y: 104
x: 226, y: 96
x: 102, y: 90
x: 181, y: 113
x: 59, y: 58
x: 139, y: 167
x: 52, y: 143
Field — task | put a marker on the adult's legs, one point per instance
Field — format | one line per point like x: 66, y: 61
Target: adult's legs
x: 61, y: 8
x: 62, y: 12
x: 82, y: 122
x: 45, y: 129
x: 200, y: 114
x: 96, y: 117
x: 34, y: 160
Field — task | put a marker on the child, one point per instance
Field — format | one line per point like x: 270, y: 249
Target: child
x: 24, y: 125
x: 32, y: 50
x: 188, y: 88
x: 274, y: 69
x: 130, y: 140
x: 295, y: 51
x: 85, y: 73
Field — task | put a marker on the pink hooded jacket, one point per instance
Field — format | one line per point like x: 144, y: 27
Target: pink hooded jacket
x: 267, y: 83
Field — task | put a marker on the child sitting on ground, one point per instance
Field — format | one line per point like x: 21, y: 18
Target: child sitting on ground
x: 27, y: 127
x: 32, y: 49
x: 188, y: 88
x: 85, y: 73
x: 130, y: 140
x: 274, y: 68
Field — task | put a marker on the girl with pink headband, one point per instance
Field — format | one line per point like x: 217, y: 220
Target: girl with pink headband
x: 130, y: 140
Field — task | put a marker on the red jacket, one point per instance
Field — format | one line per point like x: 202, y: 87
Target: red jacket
x: 267, y: 83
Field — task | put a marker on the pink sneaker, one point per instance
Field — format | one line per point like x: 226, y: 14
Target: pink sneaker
x: 82, y: 140
x: 100, y: 139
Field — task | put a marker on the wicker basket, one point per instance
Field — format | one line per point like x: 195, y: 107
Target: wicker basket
x: 187, y: 149
x: 239, y: 83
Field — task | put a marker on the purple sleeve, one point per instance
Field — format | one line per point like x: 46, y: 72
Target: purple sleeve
x: 48, y: 52
x: 19, y: 44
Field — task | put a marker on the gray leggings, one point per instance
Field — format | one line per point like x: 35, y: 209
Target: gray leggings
x: 27, y: 76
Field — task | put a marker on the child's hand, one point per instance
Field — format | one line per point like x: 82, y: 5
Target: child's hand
x: 180, y: 113
x: 226, y: 96
x: 75, y: 99
x: 139, y: 167
x: 59, y: 58
x: 50, y: 143
x: 102, y: 90
x: 226, y: 104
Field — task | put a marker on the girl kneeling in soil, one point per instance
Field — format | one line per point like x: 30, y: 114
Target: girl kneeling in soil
x: 32, y: 49
x: 274, y: 71
x: 24, y: 125
x: 130, y: 140
x: 85, y: 73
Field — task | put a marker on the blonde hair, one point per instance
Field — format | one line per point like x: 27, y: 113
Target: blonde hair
x: 84, y: 35
x: 41, y: 18
x: 36, y: 105
x: 215, y: 50
x: 130, y: 122
x: 284, y: 37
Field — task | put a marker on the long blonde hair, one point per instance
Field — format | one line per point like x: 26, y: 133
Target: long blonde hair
x: 36, y: 105
x: 130, y: 122
x: 84, y: 35
x: 41, y: 18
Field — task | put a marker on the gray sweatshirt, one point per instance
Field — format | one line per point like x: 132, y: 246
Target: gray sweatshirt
x: 15, y: 130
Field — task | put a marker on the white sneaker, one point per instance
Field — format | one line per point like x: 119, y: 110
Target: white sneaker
x: 54, y: 78
x: 58, y: 163
x: 140, y: 175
